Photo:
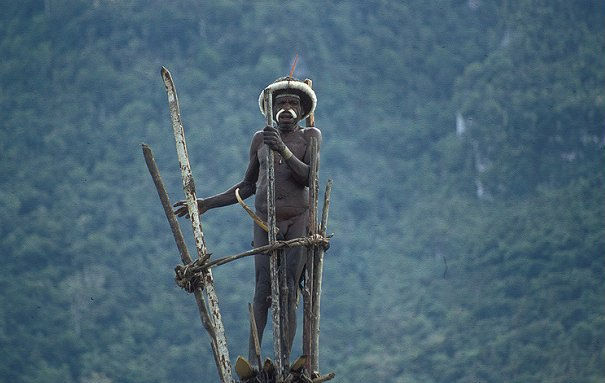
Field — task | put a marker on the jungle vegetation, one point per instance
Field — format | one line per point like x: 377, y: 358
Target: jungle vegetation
x: 465, y: 139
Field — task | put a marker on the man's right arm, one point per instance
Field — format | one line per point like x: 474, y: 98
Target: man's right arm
x: 247, y: 186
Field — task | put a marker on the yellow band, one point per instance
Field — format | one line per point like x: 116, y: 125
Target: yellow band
x: 286, y: 154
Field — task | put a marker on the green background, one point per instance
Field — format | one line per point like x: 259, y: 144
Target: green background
x: 465, y: 140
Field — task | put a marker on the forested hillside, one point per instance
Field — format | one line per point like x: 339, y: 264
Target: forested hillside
x: 466, y: 140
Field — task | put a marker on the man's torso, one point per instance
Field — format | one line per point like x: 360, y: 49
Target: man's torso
x: 291, y: 197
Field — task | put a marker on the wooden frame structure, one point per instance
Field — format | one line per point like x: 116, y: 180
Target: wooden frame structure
x: 195, y: 276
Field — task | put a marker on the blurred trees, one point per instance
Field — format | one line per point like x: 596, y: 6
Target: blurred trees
x: 475, y: 255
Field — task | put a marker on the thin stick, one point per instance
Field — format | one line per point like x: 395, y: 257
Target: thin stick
x: 254, y: 332
x: 177, y: 233
x: 318, y: 271
x: 302, y: 241
x: 311, y: 119
x: 161, y: 189
x: 309, y: 267
x: 224, y: 362
x: 284, y: 320
x: 275, y: 301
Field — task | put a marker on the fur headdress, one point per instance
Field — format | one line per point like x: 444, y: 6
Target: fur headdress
x: 291, y: 85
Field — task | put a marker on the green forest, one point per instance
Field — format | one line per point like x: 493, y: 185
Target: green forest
x: 465, y: 138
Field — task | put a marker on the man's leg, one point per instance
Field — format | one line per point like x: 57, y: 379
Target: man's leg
x: 295, y: 264
x: 262, y: 291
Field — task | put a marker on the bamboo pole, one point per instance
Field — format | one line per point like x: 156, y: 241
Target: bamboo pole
x: 275, y: 293
x: 189, y: 189
x: 317, y: 281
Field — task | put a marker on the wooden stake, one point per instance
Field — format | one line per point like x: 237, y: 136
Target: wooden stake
x: 275, y: 296
x: 178, y: 235
x: 309, y: 267
x: 311, y: 119
x: 318, y: 271
x: 224, y: 362
x: 309, y: 272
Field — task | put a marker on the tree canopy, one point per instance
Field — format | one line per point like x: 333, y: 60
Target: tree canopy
x: 465, y: 139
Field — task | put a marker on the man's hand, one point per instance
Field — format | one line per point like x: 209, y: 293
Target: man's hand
x: 181, y: 208
x: 272, y: 138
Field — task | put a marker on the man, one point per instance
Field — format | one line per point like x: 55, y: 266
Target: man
x: 293, y: 101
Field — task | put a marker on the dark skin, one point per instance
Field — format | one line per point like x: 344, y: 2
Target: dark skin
x: 291, y: 201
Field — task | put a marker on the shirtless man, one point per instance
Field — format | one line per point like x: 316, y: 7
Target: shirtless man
x: 293, y: 101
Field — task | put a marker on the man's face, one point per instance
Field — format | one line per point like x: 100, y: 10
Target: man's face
x: 287, y: 110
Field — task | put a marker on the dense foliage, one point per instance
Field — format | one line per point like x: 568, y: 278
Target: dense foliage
x: 465, y: 138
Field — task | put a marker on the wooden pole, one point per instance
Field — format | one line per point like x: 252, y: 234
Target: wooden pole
x: 189, y: 189
x: 311, y: 119
x: 274, y: 269
x: 318, y: 271
x: 301, y: 241
x: 312, y: 229
x: 178, y: 236
x: 309, y: 267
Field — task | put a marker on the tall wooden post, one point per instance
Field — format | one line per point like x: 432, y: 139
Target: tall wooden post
x: 275, y: 285
x: 220, y: 341
x: 309, y: 266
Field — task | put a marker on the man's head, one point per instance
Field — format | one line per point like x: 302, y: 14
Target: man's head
x: 287, y: 110
x: 290, y: 96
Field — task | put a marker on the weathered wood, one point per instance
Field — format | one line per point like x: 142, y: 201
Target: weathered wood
x: 302, y: 241
x: 274, y: 269
x: 215, y: 352
x: 309, y: 267
x: 254, y: 332
x: 318, y: 271
x: 284, y: 320
x: 311, y: 119
x: 224, y: 362
x: 164, y: 199
x: 177, y: 233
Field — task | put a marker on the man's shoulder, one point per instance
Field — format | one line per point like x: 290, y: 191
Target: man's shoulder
x: 257, y: 139
x: 311, y: 131
x: 258, y: 135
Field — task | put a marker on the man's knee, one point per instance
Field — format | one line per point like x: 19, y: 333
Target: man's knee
x: 262, y: 293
